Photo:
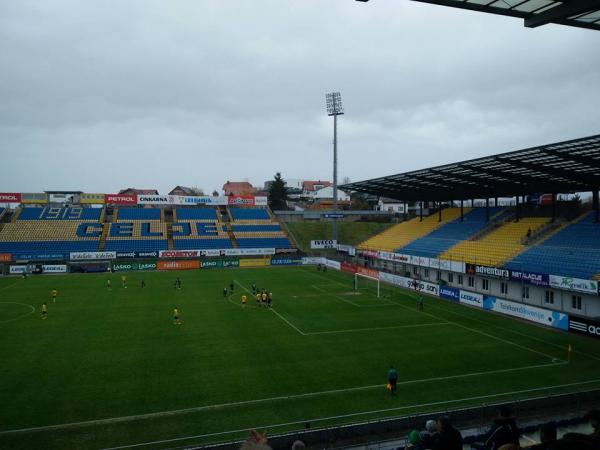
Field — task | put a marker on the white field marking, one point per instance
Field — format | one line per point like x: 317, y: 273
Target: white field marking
x: 363, y: 413
x: 9, y: 286
x: 355, y: 330
x: 266, y: 400
x: 483, y: 333
x: 331, y: 294
x: 563, y: 347
x: 275, y: 312
x: 21, y: 316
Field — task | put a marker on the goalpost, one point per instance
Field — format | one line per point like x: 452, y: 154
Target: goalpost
x: 366, y: 283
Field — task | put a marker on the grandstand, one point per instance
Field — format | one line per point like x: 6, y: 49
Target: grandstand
x: 572, y: 251
x: 402, y: 234
x: 199, y: 229
x: 254, y: 228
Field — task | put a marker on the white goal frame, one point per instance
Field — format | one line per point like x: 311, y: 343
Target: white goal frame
x: 360, y: 275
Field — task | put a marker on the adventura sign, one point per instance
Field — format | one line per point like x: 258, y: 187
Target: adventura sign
x: 323, y: 243
x: 487, y: 271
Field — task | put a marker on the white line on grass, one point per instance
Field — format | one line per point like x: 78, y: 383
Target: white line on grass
x: 354, y: 330
x: 363, y: 413
x: 483, y: 333
x: 272, y: 310
x: 314, y: 286
x: 266, y: 400
x: 21, y: 316
x: 9, y: 286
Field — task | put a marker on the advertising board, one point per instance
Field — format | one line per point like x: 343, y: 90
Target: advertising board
x: 536, y: 279
x: 371, y: 273
x: 286, y: 261
x: 81, y: 256
x: 582, y: 325
x: 347, y: 267
x: 254, y: 262
x: 5, y: 257
x: 574, y: 284
x: 122, y: 267
x: 450, y: 293
x: 10, y: 197
x: 179, y: 253
x: 54, y: 268
x: 323, y: 243
x: 542, y: 316
x: 471, y: 298
x: 121, y: 199
x: 17, y: 269
x: 177, y: 265
x: 313, y: 260
x: 333, y: 264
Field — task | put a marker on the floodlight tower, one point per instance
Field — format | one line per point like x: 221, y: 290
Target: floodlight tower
x: 334, y: 108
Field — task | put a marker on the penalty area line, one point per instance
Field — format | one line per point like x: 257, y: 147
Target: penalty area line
x: 176, y: 412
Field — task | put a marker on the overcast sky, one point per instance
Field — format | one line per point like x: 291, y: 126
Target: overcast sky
x: 102, y: 95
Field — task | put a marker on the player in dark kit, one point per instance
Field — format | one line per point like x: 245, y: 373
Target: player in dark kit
x: 143, y: 283
x: 253, y: 288
x: 392, y: 376
x: 225, y: 292
x: 231, y: 286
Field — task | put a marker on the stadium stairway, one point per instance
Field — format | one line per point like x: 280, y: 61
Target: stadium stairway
x: 403, y: 233
x: 500, y: 245
x: 170, y: 245
x: 103, y: 236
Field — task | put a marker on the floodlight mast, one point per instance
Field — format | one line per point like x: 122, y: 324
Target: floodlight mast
x: 334, y: 108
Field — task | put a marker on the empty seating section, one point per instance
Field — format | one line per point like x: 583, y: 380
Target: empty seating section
x: 400, y: 235
x: 200, y: 234
x: 136, y: 235
x: 73, y: 213
x: 496, y: 247
x: 573, y: 251
x: 128, y: 214
x: 188, y: 214
x: 249, y: 214
x: 253, y: 228
x: 450, y: 234
x: 49, y: 236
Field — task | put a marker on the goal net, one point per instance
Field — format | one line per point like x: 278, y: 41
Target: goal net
x: 366, y: 284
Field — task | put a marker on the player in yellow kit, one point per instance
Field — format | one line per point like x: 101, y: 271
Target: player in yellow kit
x: 244, y: 298
x: 258, y: 299
x: 124, y: 281
x: 54, y: 294
x: 176, y: 320
x: 44, y: 310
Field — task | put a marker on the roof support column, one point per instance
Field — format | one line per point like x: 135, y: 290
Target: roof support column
x: 439, y: 211
x: 462, y: 211
x: 495, y: 202
x: 487, y: 209
x: 517, y: 210
x: 421, y: 211
x: 553, y: 206
x: 596, y: 204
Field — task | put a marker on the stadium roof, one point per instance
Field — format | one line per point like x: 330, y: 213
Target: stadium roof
x: 570, y: 166
x: 575, y: 13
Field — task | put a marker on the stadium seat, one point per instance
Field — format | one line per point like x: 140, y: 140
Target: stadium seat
x: 451, y: 233
x: 196, y: 214
x: 403, y: 233
x: 498, y: 246
x: 573, y: 251
x: 71, y: 213
x: 249, y: 214
x: 128, y: 214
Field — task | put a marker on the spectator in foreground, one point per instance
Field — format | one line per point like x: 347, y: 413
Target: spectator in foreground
x: 504, y: 431
x: 447, y: 437
x: 298, y: 445
x: 256, y: 441
x: 428, y: 435
x: 414, y: 441
x: 547, y: 437
x: 587, y: 440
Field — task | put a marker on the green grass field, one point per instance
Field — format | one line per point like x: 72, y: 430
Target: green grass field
x: 110, y: 369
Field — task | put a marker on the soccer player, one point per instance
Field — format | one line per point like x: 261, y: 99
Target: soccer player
x: 269, y: 298
x: 54, y: 294
x: 176, y: 320
x: 258, y: 298
x: 420, y: 303
x: 263, y: 297
x: 44, y: 310
x: 143, y: 282
x: 244, y: 298
x: 392, y: 376
x: 109, y: 284
x: 253, y: 288
x: 124, y: 281
x: 225, y: 292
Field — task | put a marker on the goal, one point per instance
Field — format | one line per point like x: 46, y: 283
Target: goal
x: 365, y: 283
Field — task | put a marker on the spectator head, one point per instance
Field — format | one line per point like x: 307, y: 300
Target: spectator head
x: 594, y: 417
x: 431, y: 426
x: 548, y: 432
x: 414, y: 437
x: 298, y: 445
x: 443, y: 424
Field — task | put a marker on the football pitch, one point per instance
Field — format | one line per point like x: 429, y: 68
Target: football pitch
x: 110, y: 369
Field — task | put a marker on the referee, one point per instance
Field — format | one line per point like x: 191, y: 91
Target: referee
x: 392, y: 376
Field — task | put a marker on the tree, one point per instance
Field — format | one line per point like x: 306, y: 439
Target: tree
x: 278, y: 195
x: 197, y: 191
x: 346, y: 180
x: 215, y: 193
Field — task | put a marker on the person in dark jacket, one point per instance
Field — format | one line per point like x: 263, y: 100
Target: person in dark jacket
x: 447, y: 437
x: 504, y: 431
